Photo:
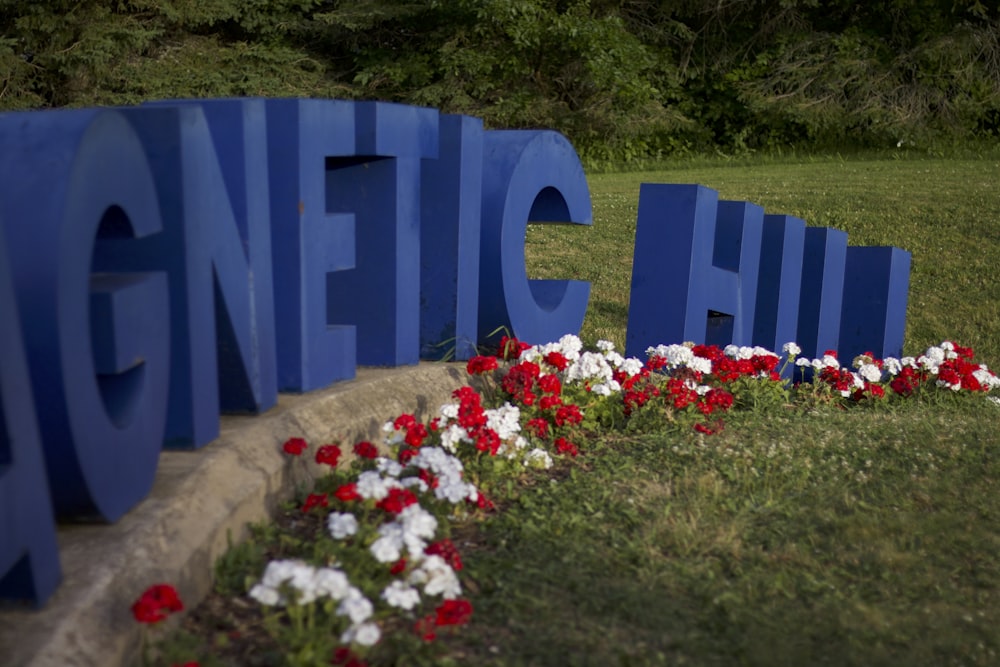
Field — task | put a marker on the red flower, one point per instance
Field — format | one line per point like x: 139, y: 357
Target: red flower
x: 315, y: 500
x: 425, y: 628
x: 480, y: 365
x: 453, y: 612
x: 347, y: 657
x: 568, y: 414
x: 539, y: 426
x: 564, y: 446
x: 188, y: 664
x: 511, y: 348
x: 366, y: 450
x: 550, y: 384
x: 549, y: 402
x: 415, y: 435
x: 397, y: 500
x: 398, y: 567
x: 482, y: 502
x: 347, y: 493
x: 446, y: 549
x: 156, y: 603
x: 328, y: 454
x: 295, y: 446
x: 557, y: 360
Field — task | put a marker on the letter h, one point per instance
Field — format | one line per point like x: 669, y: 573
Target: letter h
x: 695, y: 268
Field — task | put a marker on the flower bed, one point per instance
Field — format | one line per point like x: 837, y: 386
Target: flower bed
x: 379, y: 564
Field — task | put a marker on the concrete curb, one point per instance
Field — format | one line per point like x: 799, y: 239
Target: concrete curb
x: 200, y: 501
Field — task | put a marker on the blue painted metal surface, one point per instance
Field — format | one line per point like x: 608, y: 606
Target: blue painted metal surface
x: 210, y: 164
x: 29, y: 555
x: 695, y: 268
x: 822, y: 292
x: 528, y: 176
x: 73, y: 182
x: 450, y: 199
x: 380, y: 185
x: 720, y: 272
x: 779, y: 286
x: 309, y: 241
x: 876, y: 286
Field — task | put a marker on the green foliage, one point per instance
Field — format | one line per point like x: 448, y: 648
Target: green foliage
x: 625, y: 81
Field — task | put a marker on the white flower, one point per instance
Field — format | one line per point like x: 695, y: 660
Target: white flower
x: 387, y: 548
x: 332, y: 583
x: 437, y: 578
x: 366, y: 634
x: 538, y: 458
x: 372, y: 486
x: 602, y: 389
x: 388, y: 467
x: 454, y: 490
x: 393, y: 436
x: 870, y: 372
x: 994, y: 399
x: 631, y: 366
x: 701, y: 365
x: 421, y: 485
x: 399, y: 594
x: 355, y: 606
x: 449, y: 411
x: 802, y: 361
x: 830, y: 361
x: 791, y: 349
x: 452, y: 436
x: 589, y: 366
x: 505, y: 420
x: 605, y: 346
x: 296, y: 574
x: 570, y: 346
x: 892, y: 366
x: 265, y: 595
x: 341, y: 525
x: 415, y: 520
x: 934, y: 356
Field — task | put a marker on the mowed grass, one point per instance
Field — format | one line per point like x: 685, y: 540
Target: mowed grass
x: 801, y: 534
x: 806, y: 537
x: 945, y: 212
x: 836, y: 538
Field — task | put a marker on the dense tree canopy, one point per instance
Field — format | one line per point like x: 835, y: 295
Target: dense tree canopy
x: 623, y: 78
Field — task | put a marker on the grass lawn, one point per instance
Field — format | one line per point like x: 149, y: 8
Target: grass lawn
x: 802, y: 534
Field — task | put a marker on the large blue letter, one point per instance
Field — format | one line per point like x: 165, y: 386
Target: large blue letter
x: 97, y: 342
x: 822, y: 291
x: 309, y: 241
x: 780, y: 284
x: 29, y: 555
x: 381, y: 186
x: 210, y: 162
x: 450, y: 200
x: 695, y: 268
x: 528, y: 176
x: 873, y: 318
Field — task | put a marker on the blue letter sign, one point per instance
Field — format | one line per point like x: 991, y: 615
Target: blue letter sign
x: 716, y: 272
x: 29, y: 557
x: 96, y: 332
x: 168, y: 262
x: 528, y: 176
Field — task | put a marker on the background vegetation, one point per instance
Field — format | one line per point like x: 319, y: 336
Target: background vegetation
x: 624, y: 79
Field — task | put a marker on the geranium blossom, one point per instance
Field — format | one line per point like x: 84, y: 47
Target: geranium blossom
x: 156, y: 603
